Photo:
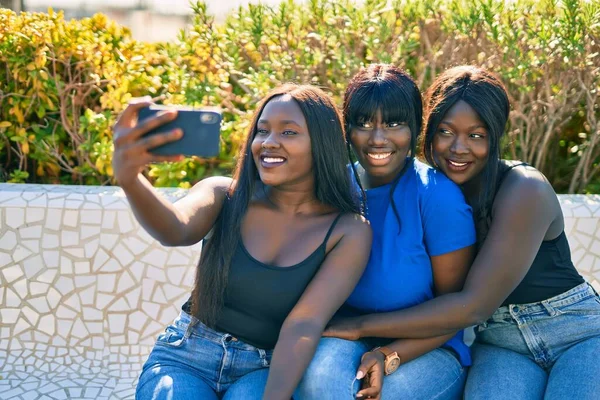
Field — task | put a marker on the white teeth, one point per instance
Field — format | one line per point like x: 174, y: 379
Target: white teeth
x: 273, y: 159
x: 379, y: 156
x: 457, y: 164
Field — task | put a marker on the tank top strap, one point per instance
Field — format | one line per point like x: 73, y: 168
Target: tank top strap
x: 333, y: 224
x: 518, y: 165
x: 507, y: 170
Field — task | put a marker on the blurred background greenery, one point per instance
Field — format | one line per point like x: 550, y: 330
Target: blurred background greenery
x: 63, y: 82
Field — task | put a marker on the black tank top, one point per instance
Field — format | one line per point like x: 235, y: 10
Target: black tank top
x: 259, y: 297
x: 552, y: 271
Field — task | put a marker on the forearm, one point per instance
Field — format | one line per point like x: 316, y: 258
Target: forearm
x: 156, y: 215
x: 409, y: 349
x: 293, y: 352
x: 439, y: 316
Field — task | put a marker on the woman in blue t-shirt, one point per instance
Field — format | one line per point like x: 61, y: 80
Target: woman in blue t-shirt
x: 423, y: 236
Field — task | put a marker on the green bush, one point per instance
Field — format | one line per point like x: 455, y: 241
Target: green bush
x: 64, y: 82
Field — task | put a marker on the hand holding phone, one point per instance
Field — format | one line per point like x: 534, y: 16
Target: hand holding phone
x: 146, y: 133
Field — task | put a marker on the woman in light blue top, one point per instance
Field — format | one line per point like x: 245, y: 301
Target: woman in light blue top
x: 423, y: 236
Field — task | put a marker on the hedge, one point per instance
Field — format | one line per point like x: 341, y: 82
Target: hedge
x: 63, y: 83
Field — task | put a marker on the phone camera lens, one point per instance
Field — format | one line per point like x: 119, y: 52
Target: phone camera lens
x: 208, y: 118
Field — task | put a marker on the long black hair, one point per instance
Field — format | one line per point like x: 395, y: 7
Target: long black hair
x: 390, y: 90
x: 332, y: 188
x: 486, y: 94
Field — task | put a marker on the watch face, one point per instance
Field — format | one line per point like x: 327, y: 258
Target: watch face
x: 392, y: 365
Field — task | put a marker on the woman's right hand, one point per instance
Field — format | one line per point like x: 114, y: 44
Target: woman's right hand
x: 132, y: 149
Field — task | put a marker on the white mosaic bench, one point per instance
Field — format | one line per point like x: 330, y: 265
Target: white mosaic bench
x: 84, y: 291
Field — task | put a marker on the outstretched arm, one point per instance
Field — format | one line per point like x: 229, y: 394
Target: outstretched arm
x: 183, y: 223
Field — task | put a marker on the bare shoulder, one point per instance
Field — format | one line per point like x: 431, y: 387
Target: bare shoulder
x: 526, y: 190
x: 216, y: 183
x: 527, y: 181
x: 356, y: 224
x: 350, y: 242
x: 199, y: 209
x: 352, y: 230
x: 207, y: 193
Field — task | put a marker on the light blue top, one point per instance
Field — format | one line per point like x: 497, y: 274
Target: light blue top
x: 434, y: 220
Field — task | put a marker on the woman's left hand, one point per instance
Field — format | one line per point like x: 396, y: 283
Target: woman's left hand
x: 371, y: 371
x: 344, y: 328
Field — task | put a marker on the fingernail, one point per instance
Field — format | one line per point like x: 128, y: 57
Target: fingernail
x: 359, y: 396
x: 165, y: 113
x: 360, y: 375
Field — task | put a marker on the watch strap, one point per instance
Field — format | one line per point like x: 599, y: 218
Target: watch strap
x: 392, y: 359
x: 385, y: 350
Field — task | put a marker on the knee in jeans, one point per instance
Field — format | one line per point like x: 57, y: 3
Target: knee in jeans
x: 319, y: 375
x: 331, y: 373
x: 323, y: 376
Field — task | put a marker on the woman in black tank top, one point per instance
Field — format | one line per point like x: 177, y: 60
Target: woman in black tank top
x: 538, y: 333
x: 284, y: 245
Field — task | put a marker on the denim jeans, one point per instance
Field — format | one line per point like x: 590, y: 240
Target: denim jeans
x: 331, y: 374
x: 191, y: 361
x: 547, y: 350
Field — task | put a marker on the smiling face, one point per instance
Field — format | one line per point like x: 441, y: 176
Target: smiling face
x: 461, y: 144
x: 381, y: 148
x: 281, y: 147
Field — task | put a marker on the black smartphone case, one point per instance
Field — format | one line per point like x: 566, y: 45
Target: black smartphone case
x: 201, y: 131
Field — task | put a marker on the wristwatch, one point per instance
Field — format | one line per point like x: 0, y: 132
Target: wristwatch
x: 392, y: 359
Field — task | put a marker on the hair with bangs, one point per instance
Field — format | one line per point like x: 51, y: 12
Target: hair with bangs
x: 390, y: 90
x: 332, y: 187
x: 486, y: 94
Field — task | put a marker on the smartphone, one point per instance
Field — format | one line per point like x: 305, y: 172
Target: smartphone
x: 201, y: 131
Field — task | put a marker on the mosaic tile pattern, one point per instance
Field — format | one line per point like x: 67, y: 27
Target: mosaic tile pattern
x: 582, y: 226
x: 84, y: 290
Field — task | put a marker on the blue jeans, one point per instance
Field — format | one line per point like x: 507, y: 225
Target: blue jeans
x: 191, y: 361
x: 547, y: 350
x: 331, y: 374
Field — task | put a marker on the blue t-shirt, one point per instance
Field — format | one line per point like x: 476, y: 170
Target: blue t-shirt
x: 434, y: 220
